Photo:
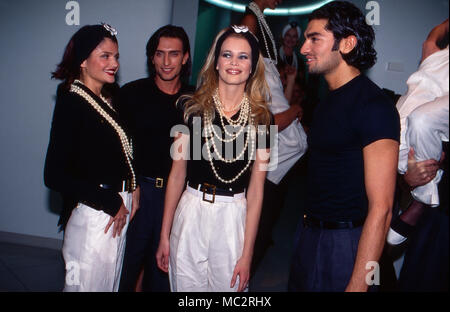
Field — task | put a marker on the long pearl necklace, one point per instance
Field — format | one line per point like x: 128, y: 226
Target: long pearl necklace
x: 126, y: 144
x: 264, y: 26
x: 245, y: 122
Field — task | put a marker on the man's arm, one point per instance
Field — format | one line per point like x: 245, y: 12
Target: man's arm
x: 284, y: 119
x: 430, y: 45
x: 380, y: 172
x: 250, y: 21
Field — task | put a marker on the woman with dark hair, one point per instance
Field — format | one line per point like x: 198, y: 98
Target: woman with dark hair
x: 209, y: 230
x: 89, y: 161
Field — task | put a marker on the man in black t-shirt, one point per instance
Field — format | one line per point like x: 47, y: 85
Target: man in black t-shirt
x: 353, y: 144
x: 149, y: 111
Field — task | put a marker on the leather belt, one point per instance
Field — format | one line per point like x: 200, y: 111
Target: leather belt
x: 210, y: 193
x: 310, y: 221
x: 209, y: 189
x: 122, y: 186
x: 157, y: 182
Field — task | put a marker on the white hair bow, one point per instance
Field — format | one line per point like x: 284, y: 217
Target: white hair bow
x: 111, y: 29
x: 239, y: 29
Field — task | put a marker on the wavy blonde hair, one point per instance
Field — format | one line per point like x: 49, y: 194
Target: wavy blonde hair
x: 256, y: 88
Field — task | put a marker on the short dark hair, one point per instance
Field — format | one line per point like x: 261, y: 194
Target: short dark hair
x: 169, y: 31
x: 345, y: 19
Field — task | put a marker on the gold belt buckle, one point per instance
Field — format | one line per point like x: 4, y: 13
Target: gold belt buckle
x: 206, y: 186
x: 159, y: 182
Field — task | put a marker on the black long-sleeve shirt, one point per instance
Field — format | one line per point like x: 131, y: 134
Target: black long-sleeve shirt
x: 149, y: 115
x: 84, y: 151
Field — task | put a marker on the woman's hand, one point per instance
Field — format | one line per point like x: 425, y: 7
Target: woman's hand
x: 420, y: 173
x: 119, y: 220
x: 291, y: 73
x: 162, y: 254
x: 242, y: 269
x: 135, y: 202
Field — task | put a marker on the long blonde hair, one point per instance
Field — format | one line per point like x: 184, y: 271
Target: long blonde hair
x: 256, y: 88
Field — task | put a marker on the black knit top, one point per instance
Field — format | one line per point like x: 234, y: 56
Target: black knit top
x: 84, y: 151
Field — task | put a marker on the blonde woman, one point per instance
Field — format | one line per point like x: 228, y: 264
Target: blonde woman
x: 209, y: 230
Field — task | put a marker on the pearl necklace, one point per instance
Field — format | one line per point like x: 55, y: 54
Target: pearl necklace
x: 126, y: 144
x: 107, y: 103
x: 241, y: 121
x: 210, y: 133
x: 264, y: 26
x: 247, y: 121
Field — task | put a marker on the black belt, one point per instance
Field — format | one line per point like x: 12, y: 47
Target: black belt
x: 122, y: 186
x: 157, y: 182
x: 214, y: 190
x: 331, y: 225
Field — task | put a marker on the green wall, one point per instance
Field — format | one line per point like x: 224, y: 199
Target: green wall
x: 210, y: 21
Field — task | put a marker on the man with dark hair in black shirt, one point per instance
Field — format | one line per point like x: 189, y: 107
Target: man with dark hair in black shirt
x: 353, y: 142
x: 149, y: 111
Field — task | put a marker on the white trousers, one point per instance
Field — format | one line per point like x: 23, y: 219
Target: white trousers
x: 290, y: 144
x: 206, y: 241
x: 424, y: 119
x: 93, y: 259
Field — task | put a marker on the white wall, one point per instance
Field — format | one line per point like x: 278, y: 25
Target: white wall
x: 184, y: 14
x: 404, y: 25
x: 34, y: 35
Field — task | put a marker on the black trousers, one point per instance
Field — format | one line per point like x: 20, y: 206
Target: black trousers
x: 270, y: 212
x: 142, y: 243
x: 426, y: 263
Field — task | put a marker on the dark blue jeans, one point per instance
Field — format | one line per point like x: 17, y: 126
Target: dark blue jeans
x: 323, y: 259
x: 142, y: 242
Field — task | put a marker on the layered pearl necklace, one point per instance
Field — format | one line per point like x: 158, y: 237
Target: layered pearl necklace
x: 264, y: 26
x: 244, y: 106
x: 244, y: 121
x: 126, y: 144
